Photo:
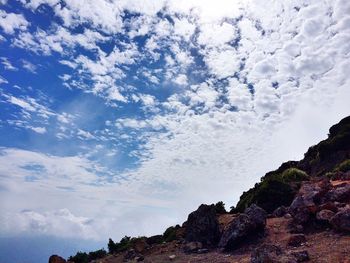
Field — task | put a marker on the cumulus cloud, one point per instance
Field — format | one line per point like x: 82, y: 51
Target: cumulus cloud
x: 9, y: 22
x: 204, y: 93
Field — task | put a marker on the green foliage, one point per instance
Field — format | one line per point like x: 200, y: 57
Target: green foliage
x: 80, y: 257
x: 97, y: 254
x: 343, y: 166
x: 330, y: 175
x: 220, y: 208
x: 294, y: 175
x: 170, y: 233
x: 124, y: 244
x: 274, y: 190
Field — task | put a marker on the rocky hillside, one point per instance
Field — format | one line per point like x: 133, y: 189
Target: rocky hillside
x: 297, y: 213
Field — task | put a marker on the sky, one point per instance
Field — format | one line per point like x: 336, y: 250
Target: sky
x: 121, y: 117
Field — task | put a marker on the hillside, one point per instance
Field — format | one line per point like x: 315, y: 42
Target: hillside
x: 297, y: 213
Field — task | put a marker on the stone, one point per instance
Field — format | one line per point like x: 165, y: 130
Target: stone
x: 301, y: 256
x: 131, y: 254
x: 202, y: 225
x: 257, y: 216
x: 56, y: 259
x: 329, y: 206
x: 248, y: 224
x: 324, y: 215
x: 341, y: 220
x: 280, y: 211
x: 296, y: 240
x: 192, y: 247
x: 340, y: 194
x: 172, y: 257
x: 203, y: 251
x: 302, y: 210
x: 266, y: 253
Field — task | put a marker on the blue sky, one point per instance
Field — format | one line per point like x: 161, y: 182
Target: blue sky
x: 112, y: 111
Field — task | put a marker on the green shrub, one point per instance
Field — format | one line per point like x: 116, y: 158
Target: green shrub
x: 97, y: 254
x: 269, y: 194
x: 124, y: 244
x: 343, y: 166
x: 220, y: 208
x: 170, y: 233
x: 294, y: 175
x: 80, y: 257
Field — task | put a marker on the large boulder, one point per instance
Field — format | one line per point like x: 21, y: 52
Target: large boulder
x: 302, y: 209
x: 202, y: 226
x: 257, y: 216
x: 56, y: 259
x: 341, y: 220
x: 340, y: 193
x: 242, y: 227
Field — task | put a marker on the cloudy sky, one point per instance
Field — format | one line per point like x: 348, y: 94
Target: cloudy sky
x: 120, y: 117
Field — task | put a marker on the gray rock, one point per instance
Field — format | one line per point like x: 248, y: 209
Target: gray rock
x: 192, y: 247
x: 248, y: 224
x: 341, y: 220
x: 202, y: 226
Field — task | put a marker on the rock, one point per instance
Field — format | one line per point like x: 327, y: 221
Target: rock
x: 329, y: 206
x: 251, y: 222
x: 341, y: 220
x: 302, y: 209
x: 341, y: 193
x: 257, y: 216
x: 202, y: 226
x: 301, y: 256
x: 324, y: 215
x: 296, y: 240
x: 287, y: 216
x: 140, y: 245
x: 56, y: 259
x: 192, y: 247
x: 172, y: 257
x: 203, y: 251
x: 266, y: 253
x: 280, y: 211
x: 131, y: 254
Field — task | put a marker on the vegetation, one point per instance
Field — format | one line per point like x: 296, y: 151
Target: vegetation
x: 343, y: 166
x: 82, y: 257
x: 274, y: 190
x: 294, y: 175
x: 123, y: 245
x: 170, y: 233
x: 220, y: 208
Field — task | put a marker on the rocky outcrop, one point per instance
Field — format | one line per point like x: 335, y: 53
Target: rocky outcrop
x: 341, y: 220
x: 242, y: 227
x: 202, y: 226
x: 56, y: 259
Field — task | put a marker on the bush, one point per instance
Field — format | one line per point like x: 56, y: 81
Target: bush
x: 80, y: 257
x: 343, y: 166
x: 274, y: 190
x: 220, y: 208
x: 124, y: 244
x: 294, y: 175
x: 170, y: 233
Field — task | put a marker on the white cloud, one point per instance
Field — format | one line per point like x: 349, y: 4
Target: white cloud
x: 9, y: 22
x: 40, y: 130
x: 7, y: 64
x: 29, y: 66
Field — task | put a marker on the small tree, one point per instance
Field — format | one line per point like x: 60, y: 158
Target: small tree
x: 220, y: 208
x: 112, y: 247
